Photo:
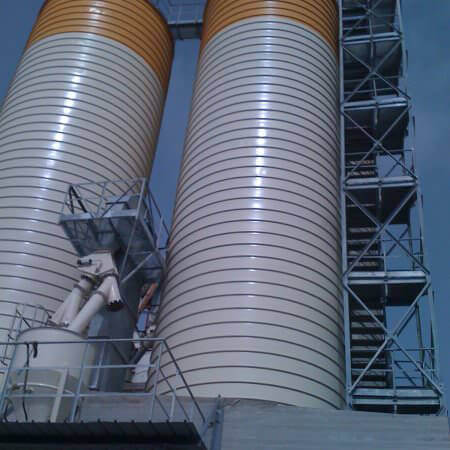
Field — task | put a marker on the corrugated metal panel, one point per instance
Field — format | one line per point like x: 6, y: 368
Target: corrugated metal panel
x: 252, y: 306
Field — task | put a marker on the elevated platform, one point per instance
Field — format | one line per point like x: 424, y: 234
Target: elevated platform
x: 402, y: 286
x: 384, y: 118
x: 100, y: 435
x: 401, y: 401
x: 185, y: 17
x: 363, y: 16
x: 69, y: 410
x: 120, y: 216
x: 371, y: 183
x: 382, y: 197
x: 260, y: 425
x: 247, y: 425
x: 365, y: 52
x: 182, y: 30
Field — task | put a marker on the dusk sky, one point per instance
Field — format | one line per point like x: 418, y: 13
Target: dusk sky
x: 428, y: 43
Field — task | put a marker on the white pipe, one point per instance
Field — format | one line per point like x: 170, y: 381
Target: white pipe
x: 114, y: 293
x: 81, y: 290
x: 71, y: 305
x: 57, y: 316
x: 98, y: 299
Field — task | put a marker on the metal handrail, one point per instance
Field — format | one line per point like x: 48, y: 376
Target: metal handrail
x: 77, y: 395
x: 25, y: 316
x: 116, y: 199
x: 409, y: 373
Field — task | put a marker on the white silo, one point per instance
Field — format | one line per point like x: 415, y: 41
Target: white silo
x: 85, y: 105
x: 252, y: 304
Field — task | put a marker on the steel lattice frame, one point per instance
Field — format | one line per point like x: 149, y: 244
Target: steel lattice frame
x: 365, y: 29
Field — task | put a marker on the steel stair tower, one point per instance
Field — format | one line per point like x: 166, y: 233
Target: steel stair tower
x: 392, y: 354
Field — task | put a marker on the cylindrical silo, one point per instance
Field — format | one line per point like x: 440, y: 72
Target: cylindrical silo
x: 85, y: 105
x: 252, y: 304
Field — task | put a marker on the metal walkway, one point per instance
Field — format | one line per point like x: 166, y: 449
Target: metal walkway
x: 185, y: 17
x: 71, y: 398
x: 119, y: 215
x: 100, y: 435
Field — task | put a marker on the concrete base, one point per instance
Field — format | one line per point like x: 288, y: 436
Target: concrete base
x: 259, y: 425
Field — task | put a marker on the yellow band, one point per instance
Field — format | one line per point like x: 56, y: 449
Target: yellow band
x: 320, y: 15
x: 134, y: 23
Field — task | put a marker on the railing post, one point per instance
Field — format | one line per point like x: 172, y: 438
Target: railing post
x: 59, y: 394
x: 155, y: 384
x: 174, y: 396
x: 102, y: 197
x: 79, y: 384
x: 6, y: 380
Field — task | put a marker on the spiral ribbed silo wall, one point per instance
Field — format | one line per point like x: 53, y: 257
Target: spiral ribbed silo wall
x: 84, y: 106
x: 252, y: 305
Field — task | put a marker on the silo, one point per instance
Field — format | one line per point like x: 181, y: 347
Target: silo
x: 252, y: 303
x: 84, y: 106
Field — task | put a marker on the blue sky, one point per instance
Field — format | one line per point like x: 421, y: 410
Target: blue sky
x: 428, y: 41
